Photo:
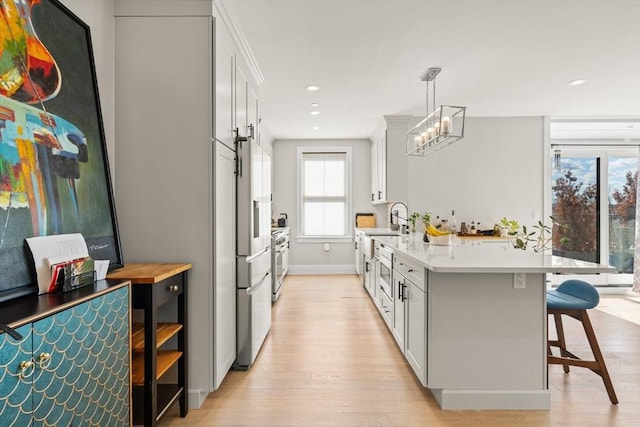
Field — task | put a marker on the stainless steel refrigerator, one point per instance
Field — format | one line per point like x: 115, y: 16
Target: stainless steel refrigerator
x: 253, y: 250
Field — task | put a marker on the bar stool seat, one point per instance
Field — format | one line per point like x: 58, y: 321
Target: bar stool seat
x: 573, y: 298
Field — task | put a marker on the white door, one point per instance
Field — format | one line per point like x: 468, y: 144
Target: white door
x: 224, y: 351
x: 415, y: 347
x: 398, y: 290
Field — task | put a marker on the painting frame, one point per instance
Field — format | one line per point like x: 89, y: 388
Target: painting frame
x: 54, y: 167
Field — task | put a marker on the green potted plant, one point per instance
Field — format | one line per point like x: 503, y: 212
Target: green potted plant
x: 540, y: 238
x: 426, y: 219
x: 511, y: 226
x: 412, y: 220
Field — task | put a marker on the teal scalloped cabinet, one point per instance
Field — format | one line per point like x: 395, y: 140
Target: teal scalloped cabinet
x: 70, y: 368
x: 16, y: 379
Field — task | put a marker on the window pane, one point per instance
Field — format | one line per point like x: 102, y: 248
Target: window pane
x: 574, y: 206
x: 313, y: 219
x: 334, y: 178
x: 324, y: 219
x: 623, y: 182
x: 313, y: 178
x: 323, y: 177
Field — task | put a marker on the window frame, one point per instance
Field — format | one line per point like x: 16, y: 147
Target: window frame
x: 604, y: 152
x: 348, y: 236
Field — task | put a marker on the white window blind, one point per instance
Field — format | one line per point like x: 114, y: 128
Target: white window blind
x: 324, y: 190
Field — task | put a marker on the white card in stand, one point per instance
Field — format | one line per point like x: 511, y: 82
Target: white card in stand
x: 102, y: 267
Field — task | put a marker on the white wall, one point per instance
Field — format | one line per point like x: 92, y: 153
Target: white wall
x: 494, y: 171
x: 310, y: 257
x: 98, y: 14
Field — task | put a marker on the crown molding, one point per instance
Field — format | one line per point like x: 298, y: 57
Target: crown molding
x: 239, y: 38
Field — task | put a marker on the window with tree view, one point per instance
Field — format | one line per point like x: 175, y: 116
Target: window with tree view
x: 594, y: 198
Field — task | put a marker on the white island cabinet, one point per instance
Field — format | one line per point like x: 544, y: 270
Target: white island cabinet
x: 484, y: 334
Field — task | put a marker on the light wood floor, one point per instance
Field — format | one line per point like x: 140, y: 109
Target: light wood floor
x: 330, y: 361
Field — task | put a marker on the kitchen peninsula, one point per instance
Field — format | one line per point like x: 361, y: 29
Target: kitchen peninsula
x: 471, y: 318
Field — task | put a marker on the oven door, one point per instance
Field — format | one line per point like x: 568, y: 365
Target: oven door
x: 278, y: 271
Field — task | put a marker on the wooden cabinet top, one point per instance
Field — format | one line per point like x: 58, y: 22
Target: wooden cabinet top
x: 148, y: 273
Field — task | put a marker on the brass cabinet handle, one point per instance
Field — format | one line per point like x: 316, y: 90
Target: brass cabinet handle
x: 44, y: 359
x: 26, y: 368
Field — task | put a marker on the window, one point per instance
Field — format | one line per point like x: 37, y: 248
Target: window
x: 593, y: 192
x: 324, y: 177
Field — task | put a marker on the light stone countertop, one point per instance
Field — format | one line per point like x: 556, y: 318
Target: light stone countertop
x: 484, y: 256
x: 379, y: 231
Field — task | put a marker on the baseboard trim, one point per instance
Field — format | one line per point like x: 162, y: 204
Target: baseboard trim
x: 323, y: 269
x: 196, y: 398
x: 477, y: 400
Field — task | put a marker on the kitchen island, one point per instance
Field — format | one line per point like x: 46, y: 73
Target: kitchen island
x: 471, y: 319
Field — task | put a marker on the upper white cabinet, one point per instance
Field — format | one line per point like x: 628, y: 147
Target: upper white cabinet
x: 388, y: 160
x: 225, y: 78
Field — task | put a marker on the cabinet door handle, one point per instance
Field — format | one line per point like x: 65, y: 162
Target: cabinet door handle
x: 379, y: 195
x: 26, y: 368
x: 12, y: 332
x: 44, y: 360
x: 173, y: 288
x: 373, y: 197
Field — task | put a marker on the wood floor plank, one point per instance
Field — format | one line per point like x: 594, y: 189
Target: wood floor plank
x: 329, y: 360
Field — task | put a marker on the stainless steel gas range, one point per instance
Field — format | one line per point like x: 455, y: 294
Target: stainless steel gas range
x: 279, y: 259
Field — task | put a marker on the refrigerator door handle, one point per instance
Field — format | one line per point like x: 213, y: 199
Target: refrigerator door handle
x: 253, y: 289
x: 249, y: 259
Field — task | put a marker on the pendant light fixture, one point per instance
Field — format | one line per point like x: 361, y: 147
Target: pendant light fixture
x: 443, y: 126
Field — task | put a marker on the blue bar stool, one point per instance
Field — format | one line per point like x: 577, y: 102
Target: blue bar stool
x: 573, y: 298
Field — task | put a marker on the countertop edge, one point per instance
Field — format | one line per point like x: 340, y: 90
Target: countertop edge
x: 587, y: 268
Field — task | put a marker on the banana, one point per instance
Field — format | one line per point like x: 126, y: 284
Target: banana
x: 435, y: 232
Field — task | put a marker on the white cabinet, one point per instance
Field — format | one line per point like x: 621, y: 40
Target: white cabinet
x: 170, y: 109
x: 358, y: 253
x: 246, y: 107
x: 378, y: 171
x: 224, y: 292
x: 415, y: 346
x: 225, y: 78
x: 399, y: 290
x: 410, y: 309
x: 369, y: 275
x: 388, y: 160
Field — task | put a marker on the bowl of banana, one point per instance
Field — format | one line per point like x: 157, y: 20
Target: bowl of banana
x: 438, y: 237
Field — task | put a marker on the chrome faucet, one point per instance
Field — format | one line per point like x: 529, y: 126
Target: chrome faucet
x: 394, y: 213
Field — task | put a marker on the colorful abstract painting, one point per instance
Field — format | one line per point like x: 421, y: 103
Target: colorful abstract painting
x: 54, y: 175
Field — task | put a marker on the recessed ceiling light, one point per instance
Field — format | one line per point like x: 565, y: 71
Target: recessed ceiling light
x: 315, y: 127
x: 315, y: 104
x: 314, y: 112
x: 577, y: 82
x: 627, y: 140
x: 313, y: 88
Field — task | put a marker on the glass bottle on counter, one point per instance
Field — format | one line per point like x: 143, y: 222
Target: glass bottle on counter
x: 453, y: 225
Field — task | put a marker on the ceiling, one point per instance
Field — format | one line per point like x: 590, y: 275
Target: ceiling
x: 498, y: 58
